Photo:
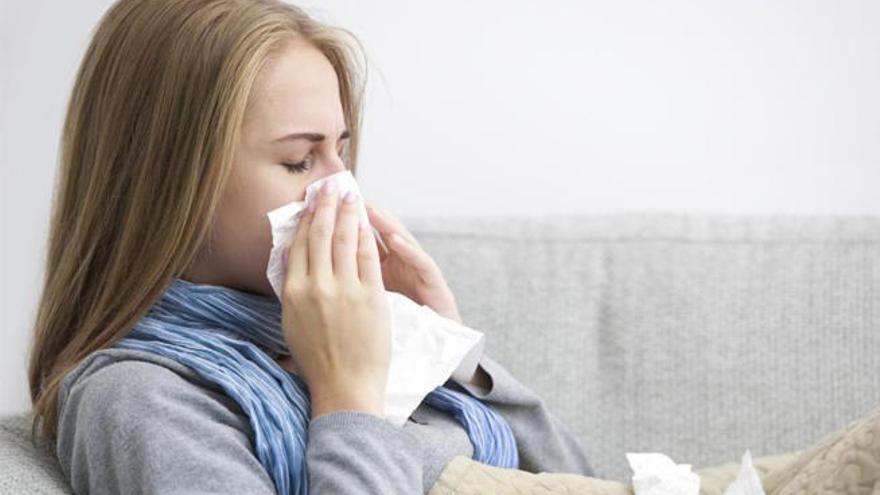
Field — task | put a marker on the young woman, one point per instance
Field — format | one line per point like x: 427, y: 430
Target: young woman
x: 162, y: 360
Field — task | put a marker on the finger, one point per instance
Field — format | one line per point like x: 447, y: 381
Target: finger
x: 386, y: 223
x: 369, y: 270
x: 345, y: 239
x: 321, y: 233
x: 383, y: 250
x: 298, y: 253
x: 414, y: 256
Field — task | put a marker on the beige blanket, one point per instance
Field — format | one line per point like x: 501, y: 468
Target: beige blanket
x: 846, y: 461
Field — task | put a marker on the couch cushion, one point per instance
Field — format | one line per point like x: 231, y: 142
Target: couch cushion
x: 24, y: 467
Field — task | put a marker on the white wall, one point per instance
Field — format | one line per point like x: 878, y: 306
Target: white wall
x: 509, y: 107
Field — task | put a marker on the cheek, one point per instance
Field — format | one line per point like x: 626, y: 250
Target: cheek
x: 242, y: 235
x: 266, y: 186
x: 242, y: 231
x: 259, y: 187
x: 274, y: 186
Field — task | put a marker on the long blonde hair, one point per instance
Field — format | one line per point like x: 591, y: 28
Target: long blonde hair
x: 146, y: 149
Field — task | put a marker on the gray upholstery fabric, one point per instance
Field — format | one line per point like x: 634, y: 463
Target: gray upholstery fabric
x: 693, y: 334
x: 25, y: 467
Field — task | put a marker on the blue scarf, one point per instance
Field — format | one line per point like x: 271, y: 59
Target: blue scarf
x: 232, y: 338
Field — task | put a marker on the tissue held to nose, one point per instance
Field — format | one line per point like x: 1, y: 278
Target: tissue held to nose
x: 284, y: 220
x: 426, y: 348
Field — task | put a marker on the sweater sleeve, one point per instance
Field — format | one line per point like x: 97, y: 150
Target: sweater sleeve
x: 137, y: 427
x: 355, y: 452
x: 544, y: 443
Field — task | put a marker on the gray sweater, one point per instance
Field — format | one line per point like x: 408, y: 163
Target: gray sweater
x: 134, y: 422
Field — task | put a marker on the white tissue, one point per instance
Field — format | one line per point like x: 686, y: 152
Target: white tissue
x: 656, y: 474
x: 747, y: 482
x: 426, y: 348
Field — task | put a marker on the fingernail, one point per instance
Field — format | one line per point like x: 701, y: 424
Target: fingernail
x: 329, y: 187
x: 350, y: 197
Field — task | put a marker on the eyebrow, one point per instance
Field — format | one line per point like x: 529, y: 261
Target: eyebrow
x: 311, y: 136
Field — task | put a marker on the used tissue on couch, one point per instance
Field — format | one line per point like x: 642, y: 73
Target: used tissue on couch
x: 426, y: 348
x: 657, y: 474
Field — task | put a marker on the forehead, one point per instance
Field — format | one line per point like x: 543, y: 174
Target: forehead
x: 297, y: 90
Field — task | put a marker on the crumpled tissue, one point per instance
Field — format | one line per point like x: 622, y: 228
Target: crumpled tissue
x: 657, y: 474
x: 747, y: 482
x: 426, y: 348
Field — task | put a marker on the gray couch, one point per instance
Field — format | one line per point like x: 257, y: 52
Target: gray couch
x: 695, y: 335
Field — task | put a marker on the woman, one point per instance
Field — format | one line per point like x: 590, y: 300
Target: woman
x: 189, y: 121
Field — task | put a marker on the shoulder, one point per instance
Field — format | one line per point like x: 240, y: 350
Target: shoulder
x: 113, y: 368
x: 129, y: 410
x: 115, y: 385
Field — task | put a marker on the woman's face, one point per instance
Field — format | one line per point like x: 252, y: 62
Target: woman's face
x: 297, y: 93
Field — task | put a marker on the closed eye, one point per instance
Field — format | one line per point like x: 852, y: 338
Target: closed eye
x: 296, y: 168
x: 303, y: 166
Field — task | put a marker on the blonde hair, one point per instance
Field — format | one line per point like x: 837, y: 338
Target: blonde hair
x: 146, y: 149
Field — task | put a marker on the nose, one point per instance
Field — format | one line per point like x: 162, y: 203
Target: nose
x: 333, y: 164
x: 336, y: 165
x: 328, y: 168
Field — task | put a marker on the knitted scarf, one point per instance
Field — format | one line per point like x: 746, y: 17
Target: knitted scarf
x: 232, y: 338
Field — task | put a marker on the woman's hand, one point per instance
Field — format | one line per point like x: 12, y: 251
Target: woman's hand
x: 335, y: 314
x: 408, y: 269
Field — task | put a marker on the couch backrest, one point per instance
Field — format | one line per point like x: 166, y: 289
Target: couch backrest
x: 695, y: 335
x: 24, y: 466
